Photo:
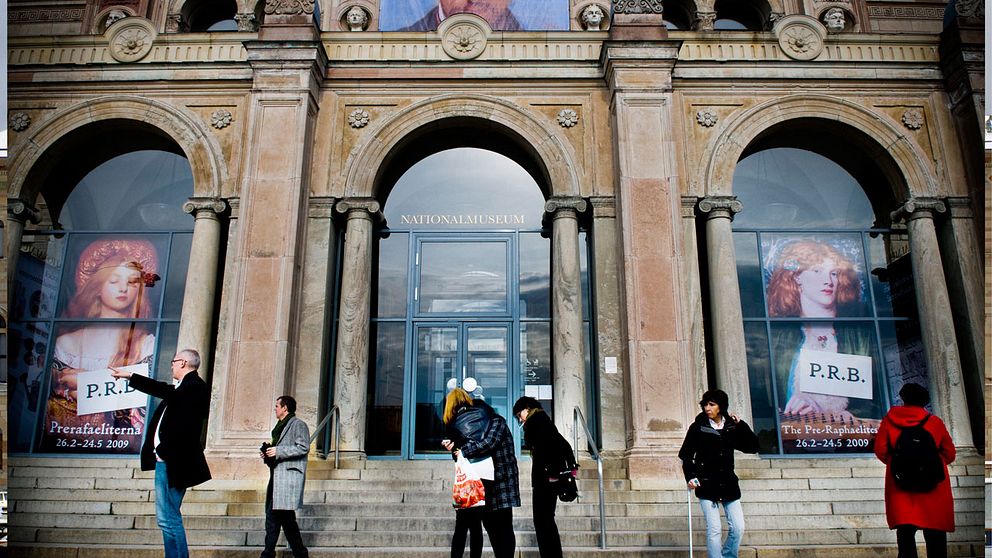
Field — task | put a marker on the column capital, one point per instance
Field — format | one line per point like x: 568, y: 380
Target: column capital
x: 564, y: 206
x: 207, y: 208
x: 917, y: 208
x: 688, y: 207
x: 603, y: 206
x: 720, y: 206
x: 20, y: 210
x: 359, y: 208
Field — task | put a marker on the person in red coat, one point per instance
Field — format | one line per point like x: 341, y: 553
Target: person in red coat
x: 907, y: 512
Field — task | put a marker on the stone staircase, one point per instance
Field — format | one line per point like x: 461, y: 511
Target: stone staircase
x: 103, y: 508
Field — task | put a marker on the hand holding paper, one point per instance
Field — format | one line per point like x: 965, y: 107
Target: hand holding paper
x: 100, y: 391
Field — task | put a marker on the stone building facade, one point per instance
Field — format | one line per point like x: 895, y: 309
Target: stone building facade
x: 297, y: 169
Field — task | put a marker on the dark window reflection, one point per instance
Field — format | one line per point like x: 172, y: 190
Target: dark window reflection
x: 385, y: 416
x: 535, y: 276
x: 762, y: 389
x: 749, y: 275
x: 391, y: 292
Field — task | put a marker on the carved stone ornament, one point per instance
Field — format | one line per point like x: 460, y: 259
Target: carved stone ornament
x: 565, y: 206
x: 289, y: 7
x: 721, y: 205
x: 800, y: 37
x: 913, y: 119
x: 568, y: 118
x: 359, y: 118
x: 637, y: 7
x: 918, y: 208
x: 221, y: 118
x: 18, y: 121
x: 970, y: 8
x: 131, y: 39
x: 704, y: 21
x: 246, y: 22
x: 356, y: 18
x: 464, y: 36
x: 174, y: 23
x: 706, y: 119
x: 592, y: 17
x: 195, y: 206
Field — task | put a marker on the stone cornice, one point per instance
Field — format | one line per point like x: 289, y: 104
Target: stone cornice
x: 917, y: 208
x: 603, y: 206
x: 959, y: 207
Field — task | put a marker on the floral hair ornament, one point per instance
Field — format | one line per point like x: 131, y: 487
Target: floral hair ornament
x: 791, y: 264
x: 136, y: 254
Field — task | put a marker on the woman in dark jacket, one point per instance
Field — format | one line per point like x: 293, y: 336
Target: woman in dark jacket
x: 465, y: 421
x: 707, y: 456
x: 551, y: 455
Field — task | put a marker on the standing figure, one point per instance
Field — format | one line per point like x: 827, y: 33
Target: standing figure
x: 550, y: 455
x: 286, y: 457
x: 173, y: 450
x: 112, y: 279
x: 906, y: 512
x: 464, y: 421
x: 497, y: 442
x: 707, y: 456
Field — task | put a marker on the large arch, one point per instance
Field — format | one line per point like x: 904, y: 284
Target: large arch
x: 897, y: 155
x: 210, y: 172
x: 553, y: 154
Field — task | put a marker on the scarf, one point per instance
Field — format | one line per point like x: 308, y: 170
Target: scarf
x: 277, y: 431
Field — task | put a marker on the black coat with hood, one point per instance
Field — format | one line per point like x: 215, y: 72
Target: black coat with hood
x: 707, y: 454
x: 550, y: 452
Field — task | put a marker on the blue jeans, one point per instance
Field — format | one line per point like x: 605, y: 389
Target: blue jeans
x: 170, y: 521
x: 735, y: 524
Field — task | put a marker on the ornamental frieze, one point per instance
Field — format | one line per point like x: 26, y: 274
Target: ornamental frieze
x: 637, y: 7
x: 44, y: 15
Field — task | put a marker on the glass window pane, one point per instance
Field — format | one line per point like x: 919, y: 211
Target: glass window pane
x: 535, y: 362
x: 36, y: 283
x: 829, y: 380
x: 788, y: 188
x: 385, y: 417
x: 749, y: 275
x: 391, y: 297
x: 487, y: 359
x: 459, y: 277
x: 27, y: 346
x: 892, y: 275
x: 141, y: 190
x: 535, y: 276
x: 437, y: 362
x: 175, y: 283
x: 584, y: 273
x: 905, y: 360
x: 168, y: 347
x: 87, y: 410
x: 449, y: 190
x: 762, y: 388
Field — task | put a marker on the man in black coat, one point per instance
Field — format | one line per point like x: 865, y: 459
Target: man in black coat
x: 173, y: 447
x: 551, y: 455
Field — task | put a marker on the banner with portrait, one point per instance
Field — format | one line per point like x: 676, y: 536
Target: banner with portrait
x: 502, y: 15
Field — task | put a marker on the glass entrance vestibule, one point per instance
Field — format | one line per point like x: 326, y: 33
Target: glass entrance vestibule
x: 462, y: 290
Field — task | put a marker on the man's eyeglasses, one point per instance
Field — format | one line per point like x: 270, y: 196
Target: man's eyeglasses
x: 175, y: 360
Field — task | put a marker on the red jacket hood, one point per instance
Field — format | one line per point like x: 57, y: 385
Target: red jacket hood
x: 906, y: 416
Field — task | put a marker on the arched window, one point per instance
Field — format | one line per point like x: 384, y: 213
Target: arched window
x: 99, y: 283
x: 741, y: 15
x: 211, y: 15
x: 826, y: 293
x: 679, y: 14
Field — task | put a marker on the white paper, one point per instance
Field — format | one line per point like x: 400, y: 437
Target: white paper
x: 545, y: 392
x: 485, y: 469
x: 532, y: 391
x: 610, y: 365
x: 834, y: 374
x: 99, y: 392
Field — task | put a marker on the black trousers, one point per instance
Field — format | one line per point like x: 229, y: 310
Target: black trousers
x: 545, y: 527
x: 499, y: 525
x: 467, y: 522
x: 286, y: 520
x: 906, y: 539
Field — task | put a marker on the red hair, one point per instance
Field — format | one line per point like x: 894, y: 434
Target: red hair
x: 783, y: 290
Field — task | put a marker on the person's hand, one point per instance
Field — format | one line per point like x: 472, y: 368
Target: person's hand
x: 66, y: 383
x: 270, y: 452
x: 458, y: 453
x: 693, y: 484
x: 448, y: 444
x: 734, y: 418
x: 120, y: 373
x: 801, y: 404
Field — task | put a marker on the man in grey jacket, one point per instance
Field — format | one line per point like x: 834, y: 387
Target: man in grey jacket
x: 286, y: 457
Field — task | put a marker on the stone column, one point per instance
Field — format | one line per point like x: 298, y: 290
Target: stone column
x: 729, y: 353
x: 196, y: 323
x: 693, y: 287
x: 351, y: 369
x: 18, y: 213
x: 614, y: 395
x: 936, y: 322
x: 566, y: 315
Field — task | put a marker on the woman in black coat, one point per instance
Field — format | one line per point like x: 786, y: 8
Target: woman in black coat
x: 707, y: 456
x: 551, y: 455
x: 465, y: 420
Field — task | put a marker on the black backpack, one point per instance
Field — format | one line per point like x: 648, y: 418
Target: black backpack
x: 916, y: 463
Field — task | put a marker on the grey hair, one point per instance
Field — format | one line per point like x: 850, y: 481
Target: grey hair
x: 192, y: 358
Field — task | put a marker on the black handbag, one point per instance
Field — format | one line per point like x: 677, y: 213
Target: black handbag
x: 565, y: 486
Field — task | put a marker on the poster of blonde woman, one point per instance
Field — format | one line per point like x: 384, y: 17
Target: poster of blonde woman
x: 828, y: 376
x: 107, y: 293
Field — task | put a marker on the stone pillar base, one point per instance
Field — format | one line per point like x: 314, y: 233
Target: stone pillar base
x: 638, y: 27
x: 655, y: 465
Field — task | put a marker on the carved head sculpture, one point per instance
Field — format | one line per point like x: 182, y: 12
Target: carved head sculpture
x: 592, y: 17
x: 357, y: 19
x: 114, y: 16
x: 834, y: 19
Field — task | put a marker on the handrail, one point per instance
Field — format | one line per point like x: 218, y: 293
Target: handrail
x: 590, y: 439
x: 336, y: 412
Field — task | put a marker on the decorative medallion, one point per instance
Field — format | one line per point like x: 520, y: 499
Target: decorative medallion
x: 637, y: 7
x: 464, y: 41
x: 706, y: 118
x: 221, y: 118
x: 131, y: 39
x: 19, y: 121
x: 289, y: 7
x: 913, y: 119
x: 800, y: 37
x: 359, y: 118
x: 568, y: 118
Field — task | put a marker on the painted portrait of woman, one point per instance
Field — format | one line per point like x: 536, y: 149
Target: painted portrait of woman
x: 111, y: 280
x: 821, y: 281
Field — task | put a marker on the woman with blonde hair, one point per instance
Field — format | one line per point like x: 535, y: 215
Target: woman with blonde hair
x: 465, y: 421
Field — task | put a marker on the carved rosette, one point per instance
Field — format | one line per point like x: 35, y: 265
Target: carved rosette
x: 637, y: 7
x: 289, y: 7
x: 464, y: 41
x: 358, y: 118
x: 913, y: 119
x: 18, y: 121
x: 568, y: 118
x: 131, y: 39
x: 221, y: 118
x: 706, y: 118
x: 918, y: 208
x: 800, y: 37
